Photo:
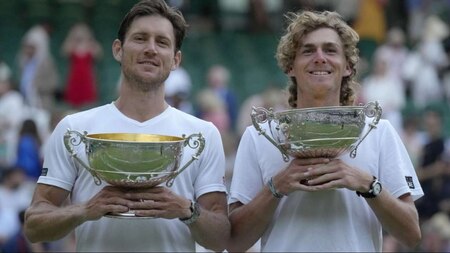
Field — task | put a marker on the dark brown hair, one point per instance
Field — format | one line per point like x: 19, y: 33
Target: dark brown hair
x: 155, y: 7
x: 29, y: 127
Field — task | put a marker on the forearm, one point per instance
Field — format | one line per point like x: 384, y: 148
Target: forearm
x: 44, y: 222
x: 398, y: 217
x: 250, y: 221
x: 211, y: 230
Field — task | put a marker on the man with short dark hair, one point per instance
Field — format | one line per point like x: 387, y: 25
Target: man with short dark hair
x: 192, y: 210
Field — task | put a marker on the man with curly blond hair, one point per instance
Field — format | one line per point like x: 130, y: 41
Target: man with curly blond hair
x: 346, y: 203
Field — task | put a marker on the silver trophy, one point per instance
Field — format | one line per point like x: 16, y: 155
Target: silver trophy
x: 317, y: 132
x: 133, y: 160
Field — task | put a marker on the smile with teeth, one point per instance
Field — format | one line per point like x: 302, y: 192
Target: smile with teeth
x: 149, y: 63
x: 320, y: 73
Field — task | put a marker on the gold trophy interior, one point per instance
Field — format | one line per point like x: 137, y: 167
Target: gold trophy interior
x: 133, y: 160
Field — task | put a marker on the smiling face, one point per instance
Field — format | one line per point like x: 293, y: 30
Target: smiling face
x: 147, y: 54
x: 319, y: 67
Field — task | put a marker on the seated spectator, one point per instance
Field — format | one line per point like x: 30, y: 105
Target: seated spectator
x: 177, y: 90
x: 433, y: 171
x: 16, y: 191
x: 19, y: 243
x: 28, y: 150
x: 11, y: 107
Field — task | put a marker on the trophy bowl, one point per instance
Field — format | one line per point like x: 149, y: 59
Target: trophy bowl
x: 317, y: 132
x: 133, y: 160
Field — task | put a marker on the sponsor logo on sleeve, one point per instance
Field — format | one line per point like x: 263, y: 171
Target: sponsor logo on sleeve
x: 44, y: 172
x: 409, y: 181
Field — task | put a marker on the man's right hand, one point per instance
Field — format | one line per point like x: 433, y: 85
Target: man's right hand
x: 108, y: 200
x: 295, y: 177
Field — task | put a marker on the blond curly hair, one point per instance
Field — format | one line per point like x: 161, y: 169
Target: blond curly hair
x: 304, y: 22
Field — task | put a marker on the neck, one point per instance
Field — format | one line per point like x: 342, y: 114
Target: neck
x: 141, y: 106
x: 317, y: 101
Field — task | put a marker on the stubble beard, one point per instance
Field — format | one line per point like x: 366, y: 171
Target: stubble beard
x: 143, y: 84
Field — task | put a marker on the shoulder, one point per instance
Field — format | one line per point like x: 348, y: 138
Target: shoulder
x: 100, y: 111
x: 85, y: 119
x: 385, y: 127
x: 383, y: 137
x: 254, y: 139
x: 190, y: 121
x: 383, y: 131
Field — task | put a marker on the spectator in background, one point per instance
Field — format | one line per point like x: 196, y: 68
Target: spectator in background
x: 387, y: 89
x: 446, y: 69
x: 218, y: 78
x: 234, y: 14
x: 433, y: 172
x: 11, y: 106
x: 213, y: 109
x: 29, y: 150
x: 16, y: 191
x: 250, y: 15
x: 270, y: 97
x: 19, y: 243
x: 394, y: 52
x: 413, y: 138
x: 370, y: 24
x: 38, y: 74
x: 9, y: 225
x: 178, y: 89
x: 82, y: 49
x: 265, y: 15
x: 436, y: 233
x: 422, y: 65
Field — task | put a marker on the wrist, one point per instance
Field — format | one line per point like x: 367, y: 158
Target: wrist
x: 194, y: 211
x: 273, y: 189
x: 374, y: 189
x: 187, y: 210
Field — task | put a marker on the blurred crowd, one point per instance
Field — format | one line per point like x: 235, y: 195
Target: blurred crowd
x: 405, y: 65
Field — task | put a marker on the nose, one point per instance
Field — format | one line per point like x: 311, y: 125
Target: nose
x: 320, y: 56
x: 150, y: 47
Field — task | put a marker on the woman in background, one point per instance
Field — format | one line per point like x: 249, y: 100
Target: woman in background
x: 82, y: 49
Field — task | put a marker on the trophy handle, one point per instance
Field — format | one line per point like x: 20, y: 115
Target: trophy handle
x: 74, y: 138
x: 261, y: 115
x: 199, y: 144
x: 371, y: 110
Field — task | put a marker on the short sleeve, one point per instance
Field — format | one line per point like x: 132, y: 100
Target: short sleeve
x: 247, y: 178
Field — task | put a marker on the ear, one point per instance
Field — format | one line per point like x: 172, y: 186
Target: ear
x: 348, y: 70
x: 290, y: 72
x: 117, y: 50
x: 176, y: 60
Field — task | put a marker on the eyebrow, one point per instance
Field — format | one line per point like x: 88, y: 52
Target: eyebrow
x: 326, y: 44
x: 144, y: 33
